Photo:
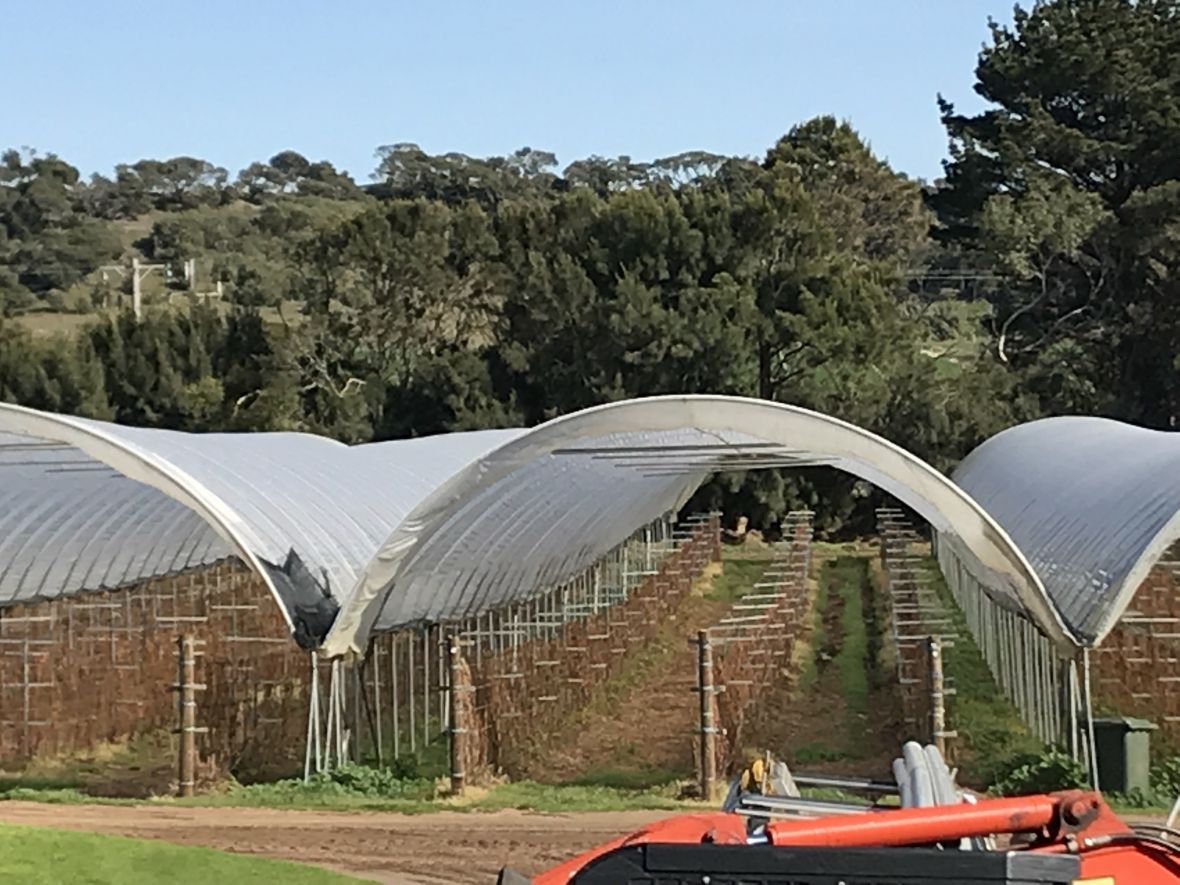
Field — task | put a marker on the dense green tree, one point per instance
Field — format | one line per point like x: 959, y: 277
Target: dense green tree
x: 176, y: 183
x: 387, y: 293
x: 57, y: 374
x: 873, y: 212
x: 47, y: 242
x: 459, y: 292
x: 405, y: 171
x: 1065, y: 184
x: 289, y: 172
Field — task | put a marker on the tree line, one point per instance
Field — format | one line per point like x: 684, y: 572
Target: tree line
x: 1038, y: 276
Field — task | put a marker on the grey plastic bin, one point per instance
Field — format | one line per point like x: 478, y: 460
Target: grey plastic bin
x: 1124, y: 753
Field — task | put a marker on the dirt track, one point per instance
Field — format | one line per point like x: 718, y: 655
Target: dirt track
x: 444, y: 848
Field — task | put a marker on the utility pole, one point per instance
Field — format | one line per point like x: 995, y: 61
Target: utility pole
x: 139, y: 272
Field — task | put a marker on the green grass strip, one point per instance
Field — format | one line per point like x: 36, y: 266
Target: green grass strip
x: 37, y: 856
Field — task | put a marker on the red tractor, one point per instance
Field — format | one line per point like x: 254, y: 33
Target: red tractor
x: 1067, y: 838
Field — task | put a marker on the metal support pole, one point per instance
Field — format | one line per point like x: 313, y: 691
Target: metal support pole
x: 1172, y: 815
x: 708, y: 727
x: 1090, y: 719
x: 136, y: 297
x: 330, y: 719
x: 458, y: 731
x: 312, y: 750
x: 319, y: 711
x: 336, y: 702
x: 358, y: 689
x: 937, y: 698
x: 379, y: 737
x: 1073, y: 702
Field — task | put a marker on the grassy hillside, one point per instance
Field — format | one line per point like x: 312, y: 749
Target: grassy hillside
x: 248, y: 247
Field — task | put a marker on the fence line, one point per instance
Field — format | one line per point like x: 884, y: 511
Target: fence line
x: 527, y: 664
x: 94, y: 668
x: 1043, y: 686
x: 921, y: 628
x: 748, y: 650
x: 532, y: 677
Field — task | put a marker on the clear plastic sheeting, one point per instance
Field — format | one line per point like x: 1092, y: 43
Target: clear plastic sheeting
x: 356, y: 540
x: 103, y: 529
x: 550, y: 501
x: 1092, y: 503
x: 86, y: 505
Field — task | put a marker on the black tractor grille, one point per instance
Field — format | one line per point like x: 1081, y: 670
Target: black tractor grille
x: 657, y: 864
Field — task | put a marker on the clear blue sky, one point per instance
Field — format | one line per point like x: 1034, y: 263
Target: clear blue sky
x: 106, y: 81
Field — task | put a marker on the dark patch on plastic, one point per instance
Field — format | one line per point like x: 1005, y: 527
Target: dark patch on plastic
x: 309, y: 600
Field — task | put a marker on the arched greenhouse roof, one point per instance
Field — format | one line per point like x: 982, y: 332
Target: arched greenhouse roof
x: 362, y: 539
x: 87, y: 506
x: 1093, y: 503
x: 551, y: 501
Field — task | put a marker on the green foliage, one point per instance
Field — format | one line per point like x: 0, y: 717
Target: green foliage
x: 609, y: 791
x: 1134, y: 798
x: 37, y: 856
x: 818, y: 639
x: 741, y: 569
x: 289, y: 172
x: 59, y: 374
x: 356, y: 781
x: 362, y: 786
x: 47, y: 241
x: 1042, y: 772
x: 851, y: 573
x: 459, y: 292
x: 993, y: 740
x: 814, y: 754
x: 635, y: 780
x: 1165, y: 778
x: 364, y: 780
x: 550, y: 799
x: 50, y: 795
x: 1063, y: 186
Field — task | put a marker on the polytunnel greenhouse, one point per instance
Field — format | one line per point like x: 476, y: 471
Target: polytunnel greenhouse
x: 412, y: 530
x: 1094, y: 505
x: 115, y: 539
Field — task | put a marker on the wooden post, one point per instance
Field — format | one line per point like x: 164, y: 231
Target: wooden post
x: 186, y: 689
x: 425, y: 688
x: 397, y: 710
x: 937, y: 696
x: 375, y: 655
x: 410, y: 688
x: 458, y: 732
x: 708, y: 726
